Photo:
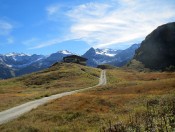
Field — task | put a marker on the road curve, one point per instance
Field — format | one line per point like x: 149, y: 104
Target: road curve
x: 15, y: 112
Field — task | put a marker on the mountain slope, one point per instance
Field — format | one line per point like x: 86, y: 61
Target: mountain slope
x: 128, y: 95
x: 43, y: 63
x: 17, y: 60
x: 5, y: 72
x: 96, y: 57
x: 20, y: 64
x: 108, y: 56
x: 15, y: 64
x: 59, y: 78
x: 125, y: 55
x: 157, y: 51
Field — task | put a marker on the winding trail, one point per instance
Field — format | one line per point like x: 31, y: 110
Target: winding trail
x: 15, y: 112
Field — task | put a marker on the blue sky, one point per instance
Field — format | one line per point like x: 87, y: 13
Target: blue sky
x: 47, y: 26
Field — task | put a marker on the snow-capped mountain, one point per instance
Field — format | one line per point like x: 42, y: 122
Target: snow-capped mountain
x: 51, y: 59
x: 65, y: 52
x: 109, y: 56
x: 21, y: 63
x: 13, y: 54
x: 17, y: 64
x: 98, y: 56
x: 107, y: 52
x: 16, y: 60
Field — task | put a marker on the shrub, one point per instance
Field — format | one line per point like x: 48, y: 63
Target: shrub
x: 170, y: 68
x: 159, y: 116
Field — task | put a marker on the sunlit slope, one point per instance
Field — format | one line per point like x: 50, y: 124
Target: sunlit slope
x: 125, y: 96
x: 56, y: 79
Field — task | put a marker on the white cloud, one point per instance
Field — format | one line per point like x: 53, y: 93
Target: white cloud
x: 102, y: 25
x: 51, y: 10
x: 5, y: 28
x: 112, y: 22
x: 55, y: 12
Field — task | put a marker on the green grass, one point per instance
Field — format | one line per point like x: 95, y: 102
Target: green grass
x: 57, y: 79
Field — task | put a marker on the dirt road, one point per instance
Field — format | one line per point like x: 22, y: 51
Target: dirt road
x: 15, y: 112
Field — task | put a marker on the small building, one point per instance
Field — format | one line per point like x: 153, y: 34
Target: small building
x: 75, y: 59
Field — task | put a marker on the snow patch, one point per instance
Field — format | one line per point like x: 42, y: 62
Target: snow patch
x: 106, y: 52
x: 111, y: 55
x: 65, y: 52
x: 16, y: 54
x: 9, y: 65
x: 27, y: 64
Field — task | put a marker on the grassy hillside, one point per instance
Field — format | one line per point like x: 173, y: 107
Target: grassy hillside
x: 124, y: 102
x: 106, y: 66
x: 59, y: 78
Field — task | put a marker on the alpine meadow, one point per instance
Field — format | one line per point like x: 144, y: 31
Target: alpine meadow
x: 87, y: 66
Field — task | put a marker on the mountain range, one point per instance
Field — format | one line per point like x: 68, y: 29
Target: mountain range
x: 156, y: 52
x: 108, y: 56
x: 17, y: 64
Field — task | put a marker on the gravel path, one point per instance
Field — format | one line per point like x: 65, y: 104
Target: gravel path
x: 15, y: 112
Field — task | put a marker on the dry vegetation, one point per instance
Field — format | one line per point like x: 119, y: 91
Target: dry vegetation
x: 59, y: 78
x: 132, y: 101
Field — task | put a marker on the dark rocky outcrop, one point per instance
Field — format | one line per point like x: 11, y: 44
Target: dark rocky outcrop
x: 157, y: 51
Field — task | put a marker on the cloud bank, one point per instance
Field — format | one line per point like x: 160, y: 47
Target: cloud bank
x: 119, y: 21
x: 112, y: 22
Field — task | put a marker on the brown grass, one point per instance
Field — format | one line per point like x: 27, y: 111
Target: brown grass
x: 127, y: 93
x: 57, y: 79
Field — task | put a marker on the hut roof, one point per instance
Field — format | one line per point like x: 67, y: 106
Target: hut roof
x: 76, y: 56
